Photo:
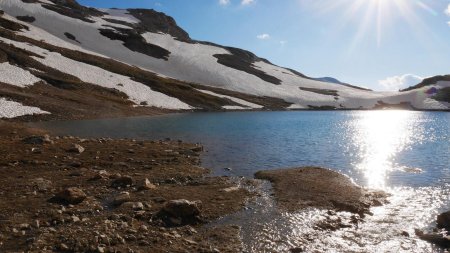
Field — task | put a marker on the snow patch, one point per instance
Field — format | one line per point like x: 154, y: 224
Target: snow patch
x: 10, y: 109
x: 121, y: 15
x: 16, y: 76
x: 234, y: 107
x: 242, y: 102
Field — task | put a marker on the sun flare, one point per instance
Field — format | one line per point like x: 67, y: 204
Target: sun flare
x: 376, y: 17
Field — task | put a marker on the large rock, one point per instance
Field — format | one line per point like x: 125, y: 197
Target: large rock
x: 443, y: 221
x: 71, y: 196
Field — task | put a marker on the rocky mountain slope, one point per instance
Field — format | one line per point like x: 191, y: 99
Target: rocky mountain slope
x: 68, y: 61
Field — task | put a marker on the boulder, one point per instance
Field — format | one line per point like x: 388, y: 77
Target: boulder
x: 70, y: 196
x: 443, y: 221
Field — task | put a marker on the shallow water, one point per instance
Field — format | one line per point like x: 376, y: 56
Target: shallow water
x: 405, y: 153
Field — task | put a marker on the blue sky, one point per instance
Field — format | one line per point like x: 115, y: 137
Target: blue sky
x: 380, y: 44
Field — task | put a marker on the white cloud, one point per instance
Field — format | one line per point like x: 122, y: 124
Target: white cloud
x: 224, y: 2
x: 247, y: 2
x: 263, y: 36
x: 396, y: 83
x: 447, y: 11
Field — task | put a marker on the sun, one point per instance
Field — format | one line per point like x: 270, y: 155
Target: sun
x: 374, y: 17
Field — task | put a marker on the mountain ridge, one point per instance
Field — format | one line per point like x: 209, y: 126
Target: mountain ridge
x: 154, y: 63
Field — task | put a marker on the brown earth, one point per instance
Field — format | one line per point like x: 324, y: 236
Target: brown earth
x: 32, y: 174
x: 300, y: 188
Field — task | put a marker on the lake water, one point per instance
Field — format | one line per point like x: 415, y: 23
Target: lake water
x: 405, y: 153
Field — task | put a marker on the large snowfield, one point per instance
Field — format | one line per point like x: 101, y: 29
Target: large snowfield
x: 192, y: 62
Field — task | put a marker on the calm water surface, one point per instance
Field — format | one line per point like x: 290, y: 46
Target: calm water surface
x: 405, y: 153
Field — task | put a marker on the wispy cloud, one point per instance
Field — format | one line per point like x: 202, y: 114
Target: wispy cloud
x: 263, y: 36
x: 283, y: 42
x: 224, y: 2
x: 396, y: 83
x: 247, y: 2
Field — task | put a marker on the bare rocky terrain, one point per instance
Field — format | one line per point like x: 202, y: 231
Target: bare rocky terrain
x: 65, y: 194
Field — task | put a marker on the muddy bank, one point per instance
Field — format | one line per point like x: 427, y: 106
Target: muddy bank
x: 65, y: 194
x: 299, y: 188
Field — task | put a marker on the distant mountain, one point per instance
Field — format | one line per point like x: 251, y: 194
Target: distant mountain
x: 61, y: 57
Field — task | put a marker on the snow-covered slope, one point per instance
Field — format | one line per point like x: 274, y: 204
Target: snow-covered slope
x: 192, y: 74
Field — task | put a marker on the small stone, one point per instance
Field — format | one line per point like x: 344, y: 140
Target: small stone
x: 41, y: 184
x: 102, y: 174
x: 230, y: 189
x: 75, y: 219
x: 76, y: 148
x: 36, y: 224
x: 71, y: 195
x: 36, y: 151
x: 37, y: 140
x: 63, y: 247
x: 24, y: 226
x: 138, y: 206
x: 121, y: 198
x: 146, y: 185
x: 124, y: 181
x: 197, y: 149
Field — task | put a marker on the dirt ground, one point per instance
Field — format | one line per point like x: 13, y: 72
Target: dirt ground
x: 35, y: 170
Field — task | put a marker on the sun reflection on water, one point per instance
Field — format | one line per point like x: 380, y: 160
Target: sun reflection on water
x: 379, y: 137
